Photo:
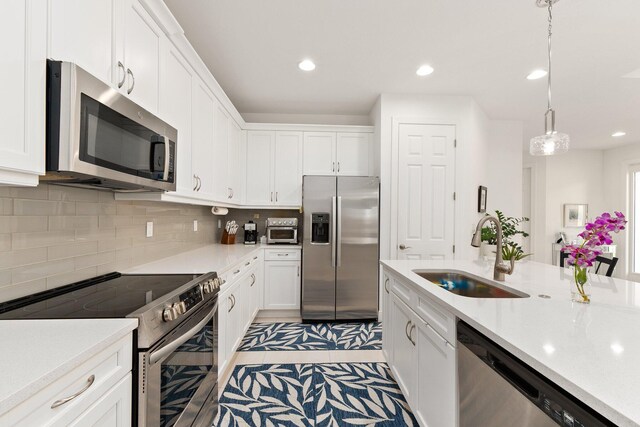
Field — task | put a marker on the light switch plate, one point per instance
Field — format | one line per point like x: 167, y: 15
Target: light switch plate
x: 149, y: 229
x: 219, y: 223
x: 195, y: 225
x: 256, y: 216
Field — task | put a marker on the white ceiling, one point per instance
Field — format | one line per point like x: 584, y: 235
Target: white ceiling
x: 483, y: 49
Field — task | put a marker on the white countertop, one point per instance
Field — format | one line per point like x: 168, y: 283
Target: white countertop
x: 35, y: 353
x: 592, y: 351
x: 215, y: 257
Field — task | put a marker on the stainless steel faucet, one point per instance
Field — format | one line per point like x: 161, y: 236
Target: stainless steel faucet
x: 500, y: 269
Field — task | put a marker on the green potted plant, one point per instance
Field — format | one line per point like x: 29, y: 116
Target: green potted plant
x: 510, y: 229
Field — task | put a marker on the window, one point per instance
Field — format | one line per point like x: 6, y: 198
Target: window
x: 634, y: 221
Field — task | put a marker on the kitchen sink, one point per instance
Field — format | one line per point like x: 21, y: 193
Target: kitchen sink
x: 468, y: 285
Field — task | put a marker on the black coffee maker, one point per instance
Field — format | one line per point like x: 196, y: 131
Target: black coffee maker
x: 250, y: 233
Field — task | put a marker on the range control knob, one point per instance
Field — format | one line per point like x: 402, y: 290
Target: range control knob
x: 216, y: 283
x: 169, y: 314
x: 208, y: 287
x: 180, y: 308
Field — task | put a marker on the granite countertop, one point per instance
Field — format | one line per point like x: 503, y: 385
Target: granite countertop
x: 214, y: 257
x: 36, y: 353
x: 592, y: 351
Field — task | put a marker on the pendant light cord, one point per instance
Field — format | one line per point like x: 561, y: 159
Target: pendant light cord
x: 550, y: 5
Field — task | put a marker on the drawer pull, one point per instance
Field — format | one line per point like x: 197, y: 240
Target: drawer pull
x: 237, y: 271
x: 64, y: 400
x: 255, y: 257
x: 283, y: 254
x: 247, y: 263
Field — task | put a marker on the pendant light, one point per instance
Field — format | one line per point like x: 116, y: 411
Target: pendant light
x: 552, y: 142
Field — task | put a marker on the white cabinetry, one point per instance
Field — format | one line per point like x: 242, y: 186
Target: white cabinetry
x: 101, y: 386
x: 422, y: 360
x: 274, y: 168
x: 342, y: 153
x: 202, y: 149
x: 235, y: 173
x: 220, y: 160
x: 282, y: 279
x: 175, y: 108
x: 239, y: 302
x: 22, y: 71
x: 139, y: 53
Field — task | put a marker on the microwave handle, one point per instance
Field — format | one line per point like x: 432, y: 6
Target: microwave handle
x: 165, y: 351
x: 167, y: 154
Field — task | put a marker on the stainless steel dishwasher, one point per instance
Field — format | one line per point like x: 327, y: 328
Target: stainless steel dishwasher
x: 497, y: 389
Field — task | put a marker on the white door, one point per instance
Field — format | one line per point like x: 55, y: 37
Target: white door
x: 319, y: 153
x: 142, y: 43
x: 259, y: 160
x: 436, y: 396
x: 22, y: 72
x: 404, y: 352
x: 82, y: 32
x: 202, y: 147
x: 353, y: 154
x: 175, y: 108
x: 288, y: 169
x: 426, y: 188
x: 282, y: 285
x: 235, y: 172
x: 222, y: 192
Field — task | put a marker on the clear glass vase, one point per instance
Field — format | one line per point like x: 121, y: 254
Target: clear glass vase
x: 580, y: 286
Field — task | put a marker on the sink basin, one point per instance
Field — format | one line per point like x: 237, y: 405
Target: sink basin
x: 468, y: 285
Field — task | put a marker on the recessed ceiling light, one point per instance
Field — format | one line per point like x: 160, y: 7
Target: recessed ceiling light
x: 307, y: 65
x: 536, y: 74
x: 424, y: 70
x: 618, y: 134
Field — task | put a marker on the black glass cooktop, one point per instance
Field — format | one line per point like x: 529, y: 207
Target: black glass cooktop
x: 109, y: 296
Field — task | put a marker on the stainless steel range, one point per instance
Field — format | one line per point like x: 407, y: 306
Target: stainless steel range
x: 176, y: 357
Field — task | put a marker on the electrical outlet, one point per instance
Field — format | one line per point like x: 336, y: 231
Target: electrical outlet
x: 149, y: 229
x: 195, y: 225
x: 256, y: 216
x: 219, y: 223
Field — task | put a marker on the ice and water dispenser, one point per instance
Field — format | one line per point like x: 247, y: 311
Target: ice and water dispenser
x: 320, y: 228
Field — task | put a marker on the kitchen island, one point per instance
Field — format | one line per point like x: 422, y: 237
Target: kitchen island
x: 591, y: 351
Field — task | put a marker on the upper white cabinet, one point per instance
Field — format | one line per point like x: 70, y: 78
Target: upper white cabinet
x: 175, y: 108
x: 23, y: 31
x: 139, y: 55
x: 83, y: 32
x: 220, y: 165
x: 274, y: 168
x: 202, y: 150
x: 236, y: 163
x: 342, y: 153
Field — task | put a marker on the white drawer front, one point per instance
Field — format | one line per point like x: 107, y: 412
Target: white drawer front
x: 437, y: 317
x: 108, y: 367
x: 282, y: 254
x: 404, y: 292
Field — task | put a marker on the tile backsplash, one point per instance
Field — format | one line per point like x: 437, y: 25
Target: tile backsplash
x: 53, y: 235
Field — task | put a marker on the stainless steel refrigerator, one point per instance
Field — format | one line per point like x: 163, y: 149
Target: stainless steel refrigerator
x: 340, y: 248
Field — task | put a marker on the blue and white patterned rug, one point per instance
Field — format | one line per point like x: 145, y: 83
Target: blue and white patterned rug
x: 332, y: 394
x: 317, y: 336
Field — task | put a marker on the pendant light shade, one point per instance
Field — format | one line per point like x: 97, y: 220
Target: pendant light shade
x: 552, y: 142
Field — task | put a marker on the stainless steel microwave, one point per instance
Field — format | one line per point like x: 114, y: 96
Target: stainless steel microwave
x: 99, y: 138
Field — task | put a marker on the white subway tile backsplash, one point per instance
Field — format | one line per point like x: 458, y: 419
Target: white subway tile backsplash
x: 53, y: 235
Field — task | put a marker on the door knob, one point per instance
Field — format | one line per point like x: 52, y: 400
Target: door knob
x: 403, y: 247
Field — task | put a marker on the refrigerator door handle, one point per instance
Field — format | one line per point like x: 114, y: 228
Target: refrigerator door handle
x: 339, y: 233
x: 333, y: 231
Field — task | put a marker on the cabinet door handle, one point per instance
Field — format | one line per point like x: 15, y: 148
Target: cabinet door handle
x: 338, y: 166
x: 386, y: 282
x: 230, y: 193
x: 253, y: 282
x: 298, y: 271
x: 411, y: 334
x: 406, y: 330
x: 333, y: 166
x: 195, y: 186
x: 64, y: 400
x: 199, y: 184
x: 133, y: 81
x: 233, y: 303
x: 276, y: 196
x: 124, y: 74
x: 272, y: 196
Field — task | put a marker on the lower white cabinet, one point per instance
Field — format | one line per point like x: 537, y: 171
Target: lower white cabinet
x: 96, y: 392
x: 282, y: 285
x: 422, y: 360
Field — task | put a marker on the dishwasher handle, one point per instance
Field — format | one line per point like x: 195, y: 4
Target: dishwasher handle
x: 512, y: 377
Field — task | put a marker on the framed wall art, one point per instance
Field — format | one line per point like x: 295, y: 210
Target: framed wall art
x: 482, y: 199
x: 575, y: 215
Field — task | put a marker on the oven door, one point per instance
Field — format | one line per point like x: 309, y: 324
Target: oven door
x: 178, y: 377
x: 282, y: 235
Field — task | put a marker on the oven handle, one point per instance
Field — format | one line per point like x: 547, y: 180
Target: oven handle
x: 165, y: 351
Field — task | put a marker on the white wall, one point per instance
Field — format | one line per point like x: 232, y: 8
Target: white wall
x: 479, y: 141
x: 504, y: 176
